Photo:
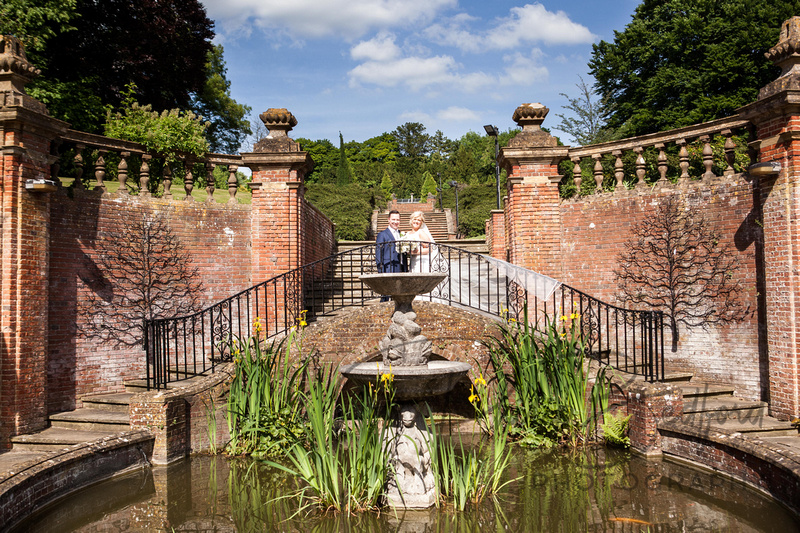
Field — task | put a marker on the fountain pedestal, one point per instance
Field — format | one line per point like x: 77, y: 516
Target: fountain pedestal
x: 405, y: 354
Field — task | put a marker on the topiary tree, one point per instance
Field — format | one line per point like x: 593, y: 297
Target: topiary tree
x: 386, y: 186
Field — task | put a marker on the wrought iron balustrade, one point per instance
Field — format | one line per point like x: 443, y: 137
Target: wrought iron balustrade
x: 181, y: 347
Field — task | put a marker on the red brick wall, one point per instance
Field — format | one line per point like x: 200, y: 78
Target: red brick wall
x: 781, y: 204
x: 317, y: 234
x: 23, y: 284
x: 594, y: 229
x: 217, y: 237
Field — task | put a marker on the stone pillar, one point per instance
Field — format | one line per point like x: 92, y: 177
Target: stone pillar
x: 279, y: 168
x: 776, y: 182
x: 532, y: 219
x: 26, y: 134
x: 496, y: 234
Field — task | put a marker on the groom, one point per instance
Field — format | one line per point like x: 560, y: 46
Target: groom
x: 386, y: 255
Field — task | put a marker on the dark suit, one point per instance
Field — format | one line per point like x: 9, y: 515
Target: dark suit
x: 386, y: 255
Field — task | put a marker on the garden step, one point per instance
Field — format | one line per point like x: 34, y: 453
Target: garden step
x: 718, y: 407
x: 140, y: 385
x: 117, y: 401
x: 91, y: 420
x: 705, y: 389
x: 765, y: 425
x: 677, y: 376
x: 792, y: 442
x: 56, y: 438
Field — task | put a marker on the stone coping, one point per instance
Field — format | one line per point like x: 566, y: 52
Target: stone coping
x: 32, y: 485
x: 783, y: 461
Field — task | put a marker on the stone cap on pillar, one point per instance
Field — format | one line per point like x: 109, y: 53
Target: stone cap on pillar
x: 530, y: 117
x: 786, y: 55
x: 277, y: 152
x: 279, y: 122
x: 532, y: 146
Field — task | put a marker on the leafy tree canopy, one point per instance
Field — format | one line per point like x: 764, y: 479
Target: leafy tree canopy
x: 36, y: 21
x: 90, y: 50
x: 228, y: 123
x: 680, y: 62
x: 162, y: 133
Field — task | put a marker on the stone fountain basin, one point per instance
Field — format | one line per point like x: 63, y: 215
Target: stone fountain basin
x: 403, y: 283
x: 411, y: 382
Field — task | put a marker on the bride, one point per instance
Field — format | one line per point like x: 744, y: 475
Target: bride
x: 421, y: 255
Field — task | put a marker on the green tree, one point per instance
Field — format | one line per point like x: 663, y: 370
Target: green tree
x: 163, y: 133
x: 680, y: 62
x: 343, y: 176
x: 34, y: 22
x: 428, y: 185
x: 325, y: 157
x: 349, y: 207
x: 90, y: 50
x: 587, y: 125
x: 386, y: 186
x: 228, y: 124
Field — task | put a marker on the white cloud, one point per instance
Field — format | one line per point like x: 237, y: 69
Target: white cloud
x: 381, y: 48
x: 527, y: 24
x: 533, y: 22
x: 524, y: 69
x: 414, y: 72
x: 305, y: 19
x: 457, y: 114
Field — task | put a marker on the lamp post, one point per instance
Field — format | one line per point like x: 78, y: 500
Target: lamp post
x: 492, y: 131
x: 454, y: 184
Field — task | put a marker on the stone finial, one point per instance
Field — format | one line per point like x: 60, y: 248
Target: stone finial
x: 15, y: 70
x: 786, y: 55
x: 530, y: 118
x: 279, y: 122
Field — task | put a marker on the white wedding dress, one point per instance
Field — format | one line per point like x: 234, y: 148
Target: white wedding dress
x: 422, y: 262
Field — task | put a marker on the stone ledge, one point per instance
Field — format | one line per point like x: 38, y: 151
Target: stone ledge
x: 38, y: 482
x: 767, y: 466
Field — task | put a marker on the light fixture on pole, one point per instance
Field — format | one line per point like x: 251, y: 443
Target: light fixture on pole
x: 492, y: 131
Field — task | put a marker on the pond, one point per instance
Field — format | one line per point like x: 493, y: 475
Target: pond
x: 586, y: 490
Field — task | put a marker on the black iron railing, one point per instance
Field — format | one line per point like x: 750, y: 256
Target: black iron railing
x: 178, y: 348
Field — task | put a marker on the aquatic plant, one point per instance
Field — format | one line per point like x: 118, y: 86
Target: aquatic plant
x: 467, y: 475
x: 265, y: 407
x: 541, y: 381
x: 346, y: 464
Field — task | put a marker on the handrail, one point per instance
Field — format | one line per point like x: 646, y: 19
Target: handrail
x: 182, y: 347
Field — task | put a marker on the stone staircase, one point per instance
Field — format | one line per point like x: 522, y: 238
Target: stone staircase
x: 435, y: 220
x: 714, y: 407
x: 102, y: 415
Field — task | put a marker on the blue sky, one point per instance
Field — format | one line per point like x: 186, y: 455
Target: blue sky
x: 363, y: 67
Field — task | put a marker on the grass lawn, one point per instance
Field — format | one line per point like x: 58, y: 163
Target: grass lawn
x: 178, y: 193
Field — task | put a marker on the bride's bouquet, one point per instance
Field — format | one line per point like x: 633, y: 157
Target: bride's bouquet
x: 406, y: 243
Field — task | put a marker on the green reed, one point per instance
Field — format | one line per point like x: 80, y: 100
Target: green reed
x: 346, y: 464
x: 467, y: 475
x: 265, y: 407
x: 542, y: 381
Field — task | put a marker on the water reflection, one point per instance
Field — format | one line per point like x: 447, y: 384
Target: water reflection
x: 585, y: 490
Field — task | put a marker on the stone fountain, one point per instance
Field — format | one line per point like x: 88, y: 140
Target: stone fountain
x: 406, y: 355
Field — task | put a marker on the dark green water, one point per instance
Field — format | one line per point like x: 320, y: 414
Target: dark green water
x: 595, y: 490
